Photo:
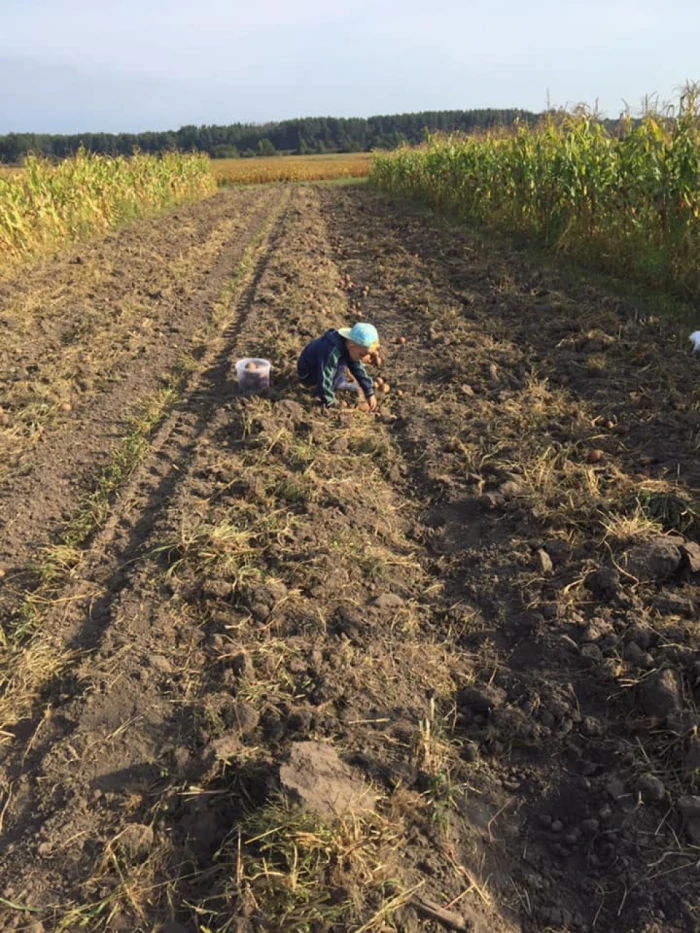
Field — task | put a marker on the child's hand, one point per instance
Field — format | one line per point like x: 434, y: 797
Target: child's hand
x: 372, y: 402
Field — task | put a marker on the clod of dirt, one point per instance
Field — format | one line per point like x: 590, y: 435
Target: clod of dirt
x: 691, y: 759
x: 315, y: 777
x: 633, y: 654
x: 689, y: 809
x: 388, y: 602
x: 605, y: 584
x: 651, y: 788
x: 226, y: 746
x: 690, y: 552
x: 655, y: 560
x: 511, y: 490
x: 289, y: 409
x: 136, y: 840
x: 673, y: 604
x: 660, y: 695
x: 241, y: 664
x: 592, y: 653
x: 244, y: 717
x: 173, y: 927
x: 481, y: 699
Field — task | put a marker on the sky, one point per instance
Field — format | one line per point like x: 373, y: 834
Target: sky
x: 70, y: 66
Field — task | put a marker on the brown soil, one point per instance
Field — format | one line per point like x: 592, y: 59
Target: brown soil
x: 310, y: 671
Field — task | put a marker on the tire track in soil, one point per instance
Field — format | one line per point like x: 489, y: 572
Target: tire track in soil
x: 84, y: 610
x: 132, y: 748
x: 556, y: 672
x: 35, y: 505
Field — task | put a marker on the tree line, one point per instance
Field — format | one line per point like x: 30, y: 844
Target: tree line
x: 307, y: 135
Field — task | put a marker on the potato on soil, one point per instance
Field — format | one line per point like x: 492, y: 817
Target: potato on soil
x: 386, y: 388
x: 363, y: 406
x: 594, y: 456
x: 401, y: 340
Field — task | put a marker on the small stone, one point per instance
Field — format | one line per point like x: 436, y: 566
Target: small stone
x: 544, y: 561
x: 45, y: 849
x: 641, y: 635
x: 651, y: 788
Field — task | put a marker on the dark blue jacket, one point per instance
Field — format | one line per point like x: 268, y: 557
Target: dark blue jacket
x: 321, y: 361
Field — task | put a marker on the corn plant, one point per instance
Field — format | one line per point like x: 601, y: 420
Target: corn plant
x: 628, y: 201
x: 46, y: 205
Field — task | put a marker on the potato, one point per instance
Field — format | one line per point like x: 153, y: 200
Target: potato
x: 250, y: 366
x: 363, y: 406
x: 401, y: 340
x: 594, y: 456
x: 386, y: 388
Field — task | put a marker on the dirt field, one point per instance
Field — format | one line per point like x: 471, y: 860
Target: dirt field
x: 463, y: 635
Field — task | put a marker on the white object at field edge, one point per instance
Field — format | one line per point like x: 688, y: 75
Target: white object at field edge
x: 695, y: 339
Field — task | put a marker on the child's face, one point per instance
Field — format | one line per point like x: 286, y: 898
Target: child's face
x: 356, y: 352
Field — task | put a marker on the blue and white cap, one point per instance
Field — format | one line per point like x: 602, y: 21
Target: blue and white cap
x: 364, y: 335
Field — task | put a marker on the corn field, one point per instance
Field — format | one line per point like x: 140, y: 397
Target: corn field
x: 628, y: 202
x: 45, y: 206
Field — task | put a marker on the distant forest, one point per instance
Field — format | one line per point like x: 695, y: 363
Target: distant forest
x: 308, y: 135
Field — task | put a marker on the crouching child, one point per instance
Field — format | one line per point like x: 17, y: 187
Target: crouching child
x: 323, y: 363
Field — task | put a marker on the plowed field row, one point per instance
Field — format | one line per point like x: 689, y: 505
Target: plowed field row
x: 461, y: 634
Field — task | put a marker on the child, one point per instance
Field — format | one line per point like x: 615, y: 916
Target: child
x: 323, y: 362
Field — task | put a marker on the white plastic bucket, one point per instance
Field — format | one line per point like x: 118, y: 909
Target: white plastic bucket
x: 253, y: 374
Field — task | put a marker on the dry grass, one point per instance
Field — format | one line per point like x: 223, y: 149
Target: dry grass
x: 292, y: 168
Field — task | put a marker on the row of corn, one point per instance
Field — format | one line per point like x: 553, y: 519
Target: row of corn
x: 629, y: 201
x: 46, y: 205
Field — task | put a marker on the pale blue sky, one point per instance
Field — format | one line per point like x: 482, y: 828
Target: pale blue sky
x: 133, y: 65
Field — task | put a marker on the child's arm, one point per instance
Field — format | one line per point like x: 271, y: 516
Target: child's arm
x: 363, y: 380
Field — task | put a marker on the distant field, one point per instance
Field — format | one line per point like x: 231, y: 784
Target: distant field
x: 292, y: 168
